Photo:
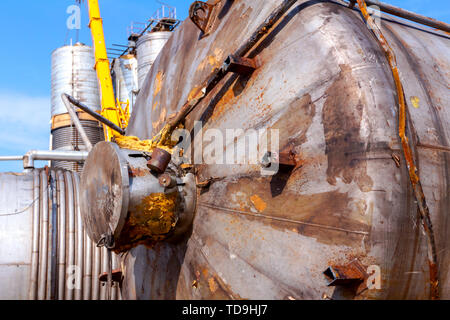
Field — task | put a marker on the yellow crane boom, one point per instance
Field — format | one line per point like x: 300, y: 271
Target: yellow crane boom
x: 110, y: 109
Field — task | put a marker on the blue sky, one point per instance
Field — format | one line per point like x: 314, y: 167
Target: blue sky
x: 30, y: 30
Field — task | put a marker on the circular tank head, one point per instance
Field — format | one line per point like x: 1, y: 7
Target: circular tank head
x: 104, y: 191
x: 123, y: 198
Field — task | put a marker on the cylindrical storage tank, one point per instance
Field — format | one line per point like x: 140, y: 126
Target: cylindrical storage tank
x: 148, y: 48
x: 44, y: 250
x: 323, y: 85
x: 73, y: 73
x: 125, y: 79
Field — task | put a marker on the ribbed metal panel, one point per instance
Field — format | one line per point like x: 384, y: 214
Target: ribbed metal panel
x: 68, y: 138
x: 148, y: 48
x: 125, y: 78
x: 73, y: 73
x: 43, y: 245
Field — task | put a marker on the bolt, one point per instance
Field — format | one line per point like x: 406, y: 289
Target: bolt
x: 167, y: 181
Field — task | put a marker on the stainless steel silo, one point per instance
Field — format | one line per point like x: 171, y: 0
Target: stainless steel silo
x: 148, y: 48
x: 44, y: 250
x: 73, y: 73
x: 125, y: 78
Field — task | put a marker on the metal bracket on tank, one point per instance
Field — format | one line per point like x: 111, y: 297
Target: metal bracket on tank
x: 241, y: 65
x: 200, y: 13
x: 350, y: 274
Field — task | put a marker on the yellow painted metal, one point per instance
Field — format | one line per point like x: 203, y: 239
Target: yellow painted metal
x: 110, y: 109
x: 124, y: 112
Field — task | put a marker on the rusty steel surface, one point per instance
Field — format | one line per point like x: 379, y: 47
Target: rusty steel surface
x: 324, y: 81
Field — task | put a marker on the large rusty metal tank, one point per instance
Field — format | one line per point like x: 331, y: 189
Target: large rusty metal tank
x: 324, y: 82
x: 45, y: 252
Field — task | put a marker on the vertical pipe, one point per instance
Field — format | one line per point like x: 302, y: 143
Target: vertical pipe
x: 96, y: 272
x: 44, y: 233
x: 79, y: 236
x: 104, y: 268
x: 54, y: 235
x: 35, y: 243
x: 87, y: 277
x: 114, y: 288
x: 62, y: 236
x: 71, y: 230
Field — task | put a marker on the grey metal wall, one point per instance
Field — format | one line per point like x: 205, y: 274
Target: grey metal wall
x: 325, y: 83
x: 42, y: 240
x: 148, y: 48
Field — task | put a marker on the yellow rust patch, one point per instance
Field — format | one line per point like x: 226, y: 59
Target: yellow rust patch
x: 212, y: 285
x: 415, y: 101
x: 155, y: 105
x: 222, y: 105
x: 152, y: 220
x: 213, y: 60
x: 259, y: 203
x: 158, y: 83
x: 194, y: 93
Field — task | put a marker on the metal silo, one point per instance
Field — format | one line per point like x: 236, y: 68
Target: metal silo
x: 73, y: 73
x: 148, y: 48
x: 125, y: 78
x: 44, y: 251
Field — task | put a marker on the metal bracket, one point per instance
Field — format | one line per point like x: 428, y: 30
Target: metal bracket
x: 116, y: 276
x: 347, y: 275
x: 200, y: 13
x: 240, y: 65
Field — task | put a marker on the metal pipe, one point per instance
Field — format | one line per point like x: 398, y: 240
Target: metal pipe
x: 79, y: 249
x: 62, y: 236
x: 11, y: 158
x: 55, y: 155
x: 54, y: 235
x: 44, y: 238
x: 100, y: 118
x: 77, y: 122
x: 405, y: 14
x: 70, y: 233
x: 35, y: 241
x: 87, y: 279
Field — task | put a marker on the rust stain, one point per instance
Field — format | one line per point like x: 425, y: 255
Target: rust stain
x: 415, y: 101
x: 150, y: 221
x: 220, y: 107
x: 194, y: 93
x: 212, y: 285
x: 158, y: 83
x: 341, y: 117
x: 259, y: 203
x: 319, y: 216
x: 137, y: 172
x: 214, y: 60
x: 155, y: 105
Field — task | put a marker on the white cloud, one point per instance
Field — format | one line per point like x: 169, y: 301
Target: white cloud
x: 24, y: 123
